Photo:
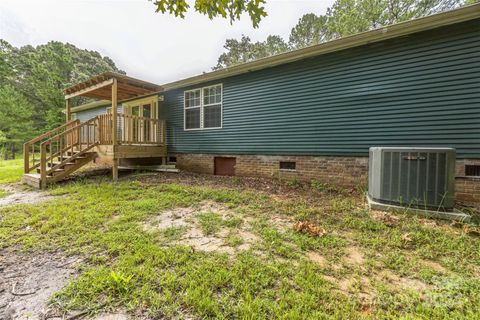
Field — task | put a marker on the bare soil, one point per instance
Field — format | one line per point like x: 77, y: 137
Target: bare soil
x: 21, y: 194
x: 28, y: 280
x: 354, y: 256
x: 317, y: 258
x: 194, y: 236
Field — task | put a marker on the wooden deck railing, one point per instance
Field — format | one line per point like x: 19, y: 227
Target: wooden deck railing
x: 132, y: 129
x: 31, y: 149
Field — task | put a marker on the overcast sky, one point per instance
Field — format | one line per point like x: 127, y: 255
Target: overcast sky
x: 147, y: 45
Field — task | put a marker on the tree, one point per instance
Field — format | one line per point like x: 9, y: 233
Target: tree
x: 245, y: 50
x: 36, y: 76
x: 344, y: 18
x: 272, y: 46
x: 15, y: 115
x: 6, y: 69
x: 231, y: 9
x: 310, y: 29
x: 348, y: 17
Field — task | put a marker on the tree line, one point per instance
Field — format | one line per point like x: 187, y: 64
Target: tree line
x: 32, y: 80
x: 343, y: 18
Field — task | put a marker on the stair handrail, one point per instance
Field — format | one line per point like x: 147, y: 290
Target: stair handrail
x: 81, y: 136
x: 31, y: 143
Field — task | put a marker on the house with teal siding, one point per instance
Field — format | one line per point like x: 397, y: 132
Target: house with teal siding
x: 309, y: 114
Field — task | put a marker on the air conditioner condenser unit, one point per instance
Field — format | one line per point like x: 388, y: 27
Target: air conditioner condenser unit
x: 412, y: 177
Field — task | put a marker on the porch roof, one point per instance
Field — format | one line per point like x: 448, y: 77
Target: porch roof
x: 98, y: 87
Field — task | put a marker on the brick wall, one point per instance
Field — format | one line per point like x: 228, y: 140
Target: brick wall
x: 467, y: 189
x: 342, y: 171
x: 200, y: 163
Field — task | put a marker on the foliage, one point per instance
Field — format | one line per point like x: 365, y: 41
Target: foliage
x: 32, y: 80
x: 310, y: 29
x: 119, y: 282
x: 231, y: 9
x: 348, y: 17
x: 244, y: 50
x: 344, y: 18
x: 15, y: 115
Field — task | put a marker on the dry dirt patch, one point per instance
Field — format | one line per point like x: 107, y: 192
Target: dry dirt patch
x: 19, y: 194
x: 354, y: 256
x: 27, y: 281
x: 112, y: 316
x: 317, y: 258
x: 434, y: 265
x: 186, y: 220
x: 401, y: 282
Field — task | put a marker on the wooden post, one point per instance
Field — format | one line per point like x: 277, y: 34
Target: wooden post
x: 26, y: 158
x: 115, y: 169
x: 68, y: 112
x: 164, y: 139
x: 114, y: 129
x: 114, y: 112
x: 43, y: 166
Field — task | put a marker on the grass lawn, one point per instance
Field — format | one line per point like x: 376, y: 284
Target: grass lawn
x: 11, y: 170
x: 192, y: 246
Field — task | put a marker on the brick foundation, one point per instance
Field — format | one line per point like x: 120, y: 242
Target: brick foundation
x: 342, y: 171
x: 467, y: 189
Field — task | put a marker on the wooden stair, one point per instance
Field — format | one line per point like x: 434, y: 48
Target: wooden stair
x: 62, y: 151
x: 60, y: 173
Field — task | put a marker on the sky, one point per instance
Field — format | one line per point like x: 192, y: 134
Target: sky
x: 151, y: 46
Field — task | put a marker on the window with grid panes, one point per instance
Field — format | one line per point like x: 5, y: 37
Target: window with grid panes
x: 203, y: 108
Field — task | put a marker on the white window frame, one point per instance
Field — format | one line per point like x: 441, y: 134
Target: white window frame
x: 202, y: 106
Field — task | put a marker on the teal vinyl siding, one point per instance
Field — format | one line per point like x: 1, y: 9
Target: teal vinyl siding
x: 418, y: 90
x: 90, y: 113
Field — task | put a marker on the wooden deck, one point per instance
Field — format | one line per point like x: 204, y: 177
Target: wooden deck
x: 58, y: 153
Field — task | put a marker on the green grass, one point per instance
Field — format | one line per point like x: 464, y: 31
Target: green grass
x: 174, y: 233
x: 210, y: 222
x: 234, y: 240
x: 129, y: 268
x: 3, y: 193
x: 11, y: 170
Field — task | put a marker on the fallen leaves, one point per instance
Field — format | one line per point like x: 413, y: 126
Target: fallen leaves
x: 386, y: 218
x: 472, y: 231
x: 309, y: 228
x: 467, y: 229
